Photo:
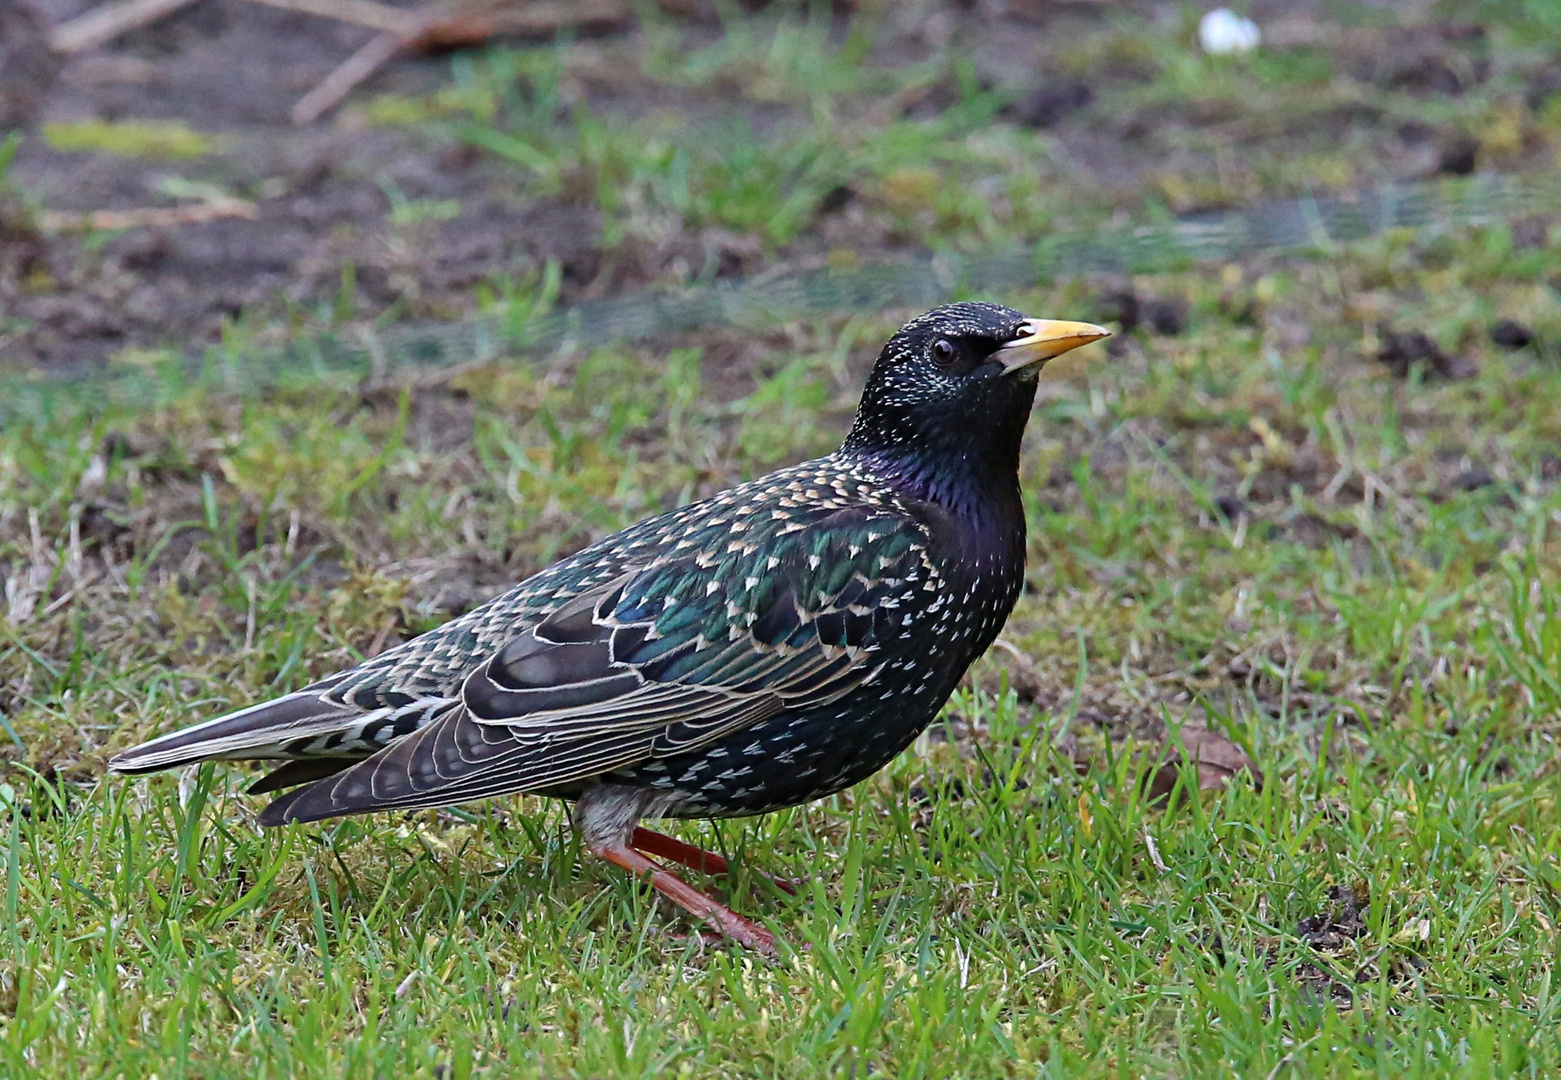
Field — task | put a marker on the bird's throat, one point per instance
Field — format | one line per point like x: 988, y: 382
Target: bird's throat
x: 966, y: 465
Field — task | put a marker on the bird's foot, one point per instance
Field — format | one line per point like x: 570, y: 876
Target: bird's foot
x: 715, y: 914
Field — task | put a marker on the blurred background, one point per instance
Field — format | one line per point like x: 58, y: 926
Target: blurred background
x: 164, y: 193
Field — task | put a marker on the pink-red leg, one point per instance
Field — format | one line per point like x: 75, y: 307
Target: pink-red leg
x: 670, y: 847
x: 717, y: 915
x: 695, y: 858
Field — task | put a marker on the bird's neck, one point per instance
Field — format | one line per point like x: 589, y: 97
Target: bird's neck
x: 967, y: 466
x: 975, y: 515
x: 974, y: 492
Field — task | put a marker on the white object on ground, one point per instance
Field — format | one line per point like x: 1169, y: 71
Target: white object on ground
x: 1223, y: 32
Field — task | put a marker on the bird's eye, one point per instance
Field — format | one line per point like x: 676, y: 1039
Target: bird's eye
x: 943, y: 351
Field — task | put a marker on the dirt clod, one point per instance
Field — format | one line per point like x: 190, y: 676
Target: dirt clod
x: 1232, y: 507
x: 1474, y: 478
x: 1458, y: 155
x: 1511, y: 334
x: 836, y: 199
x: 1165, y: 316
x: 1168, y: 318
x: 1431, y: 60
x: 1050, y: 103
x: 1120, y: 307
x: 1404, y: 352
x: 1341, y: 921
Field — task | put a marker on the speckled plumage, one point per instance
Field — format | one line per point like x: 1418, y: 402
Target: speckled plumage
x: 771, y: 645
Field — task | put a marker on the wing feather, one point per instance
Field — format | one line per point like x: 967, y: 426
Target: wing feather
x: 656, y: 662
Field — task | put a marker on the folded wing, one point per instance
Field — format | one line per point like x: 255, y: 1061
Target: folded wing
x: 662, y: 660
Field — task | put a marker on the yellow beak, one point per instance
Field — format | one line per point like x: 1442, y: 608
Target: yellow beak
x: 1039, y: 340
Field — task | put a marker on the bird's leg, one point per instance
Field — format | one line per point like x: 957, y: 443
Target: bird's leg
x: 668, y: 847
x: 718, y: 915
x: 607, y: 816
x: 695, y: 858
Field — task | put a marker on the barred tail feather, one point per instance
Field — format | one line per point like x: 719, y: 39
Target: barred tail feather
x: 266, y: 730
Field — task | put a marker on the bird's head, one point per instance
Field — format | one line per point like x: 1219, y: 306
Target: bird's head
x: 946, y: 403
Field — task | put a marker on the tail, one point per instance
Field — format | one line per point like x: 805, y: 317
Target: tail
x: 299, y: 725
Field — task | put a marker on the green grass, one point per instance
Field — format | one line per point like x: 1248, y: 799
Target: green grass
x: 142, y: 138
x: 655, y: 176
x: 1250, y: 527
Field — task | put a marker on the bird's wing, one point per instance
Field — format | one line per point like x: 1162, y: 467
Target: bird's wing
x: 735, y: 623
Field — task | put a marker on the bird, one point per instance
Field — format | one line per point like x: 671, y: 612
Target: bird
x: 765, y: 647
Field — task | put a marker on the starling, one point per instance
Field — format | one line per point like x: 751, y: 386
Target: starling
x: 770, y: 645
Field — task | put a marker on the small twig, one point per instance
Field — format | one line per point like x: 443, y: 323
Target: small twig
x: 377, y: 646
x: 109, y: 21
x: 352, y: 71
x: 375, y: 16
x: 70, y: 594
x: 146, y: 217
x: 475, y: 21
x: 433, y: 26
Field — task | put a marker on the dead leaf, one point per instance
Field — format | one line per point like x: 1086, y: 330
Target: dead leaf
x: 1218, y: 759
